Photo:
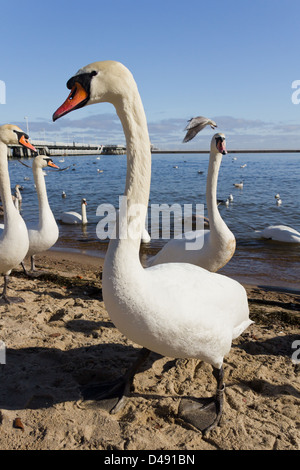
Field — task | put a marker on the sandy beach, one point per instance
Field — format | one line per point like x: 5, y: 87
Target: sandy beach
x: 61, y: 338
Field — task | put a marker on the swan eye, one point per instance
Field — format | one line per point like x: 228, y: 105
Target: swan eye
x: 73, y: 92
x: 21, y: 134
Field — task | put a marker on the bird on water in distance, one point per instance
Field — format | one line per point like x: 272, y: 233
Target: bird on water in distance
x: 14, y: 241
x: 175, y: 309
x: 216, y: 245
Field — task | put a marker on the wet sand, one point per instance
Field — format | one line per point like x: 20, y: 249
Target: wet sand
x: 61, y: 338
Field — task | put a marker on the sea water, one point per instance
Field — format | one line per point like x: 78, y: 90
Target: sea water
x: 181, y: 179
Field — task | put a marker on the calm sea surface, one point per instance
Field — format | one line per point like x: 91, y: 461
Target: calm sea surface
x: 253, y: 207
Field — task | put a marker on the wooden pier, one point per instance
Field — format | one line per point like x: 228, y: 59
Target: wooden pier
x: 64, y: 149
x: 67, y: 149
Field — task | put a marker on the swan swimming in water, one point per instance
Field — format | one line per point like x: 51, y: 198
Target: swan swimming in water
x: 14, y: 242
x: 216, y: 245
x: 175, y: 309
x: 280, y: 233
x: 73, y: 218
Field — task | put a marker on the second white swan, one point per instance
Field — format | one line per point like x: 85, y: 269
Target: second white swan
x: 216, y: 245
x: 44, y: 234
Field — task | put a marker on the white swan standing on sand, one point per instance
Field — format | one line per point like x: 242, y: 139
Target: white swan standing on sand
x: 177, y: 310
x: 44, y: 234
x: 73, y: 218
x: 216, y: 245
x: 14, y: 240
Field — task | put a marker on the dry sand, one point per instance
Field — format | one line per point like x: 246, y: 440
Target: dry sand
x: 61, y: 338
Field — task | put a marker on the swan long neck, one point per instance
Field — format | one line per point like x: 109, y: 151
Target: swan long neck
x: 83, y: 213
x: 9, y: 208
x: 211, y: 193
x: 44, y: 208
x: 132, y: 116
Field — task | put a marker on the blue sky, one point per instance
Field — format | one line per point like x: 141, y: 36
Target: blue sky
x: 233, y: 61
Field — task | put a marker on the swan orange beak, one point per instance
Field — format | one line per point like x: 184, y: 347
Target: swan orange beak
x: 23, y: 141
x: 76, y: 99
x: 50, y: 163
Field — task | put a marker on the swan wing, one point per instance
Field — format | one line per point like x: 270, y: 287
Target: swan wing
x: 181, y: 311
x: 71, y: 217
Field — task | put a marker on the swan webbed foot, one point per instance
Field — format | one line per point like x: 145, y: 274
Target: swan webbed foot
x: 112, y: 396
x: 205, y: 413
x: 109, y: 396
x: 33, y: 273
x: 5, y: 300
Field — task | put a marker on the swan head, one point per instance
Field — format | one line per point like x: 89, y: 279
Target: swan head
x: 99, y: 82
x: 83, y: 202
x: 42, y: 162
x: 218, y: 143
x: 13, y: 135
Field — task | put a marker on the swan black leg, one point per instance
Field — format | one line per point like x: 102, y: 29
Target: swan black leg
x: 112, y: 396
x: 4, y: 299
x: 24, y: 268
x: 204, y: 414
x: 33, y: 272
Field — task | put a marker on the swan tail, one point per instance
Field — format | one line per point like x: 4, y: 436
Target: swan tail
x: 237, y: 331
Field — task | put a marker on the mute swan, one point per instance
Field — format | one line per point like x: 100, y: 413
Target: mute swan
x: 280, y: 233
x: 177, y: 309
x: 239, y: 185
x: 14, y: 241
x: 217, y: 245
x: 73, y: 218
x: 44, y: 234
x: 196, y: 125
x: 17, y: 199
x: 18, y: 196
